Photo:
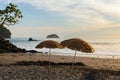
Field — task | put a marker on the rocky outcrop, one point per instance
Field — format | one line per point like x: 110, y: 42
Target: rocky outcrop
x: 6, y: 46
x: 52, y: 36
x: 31, y: 39
x: 5, y: 33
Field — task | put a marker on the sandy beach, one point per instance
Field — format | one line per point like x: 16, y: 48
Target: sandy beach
x: 83, y: 32
x: 98, y: 63
x: 93, y: 68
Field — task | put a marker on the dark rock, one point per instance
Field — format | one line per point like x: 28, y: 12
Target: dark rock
x: 5, y: 33
x: 31, y: 39
x: 6, y: 46
x: 52, y: 36
x: 32, y: 51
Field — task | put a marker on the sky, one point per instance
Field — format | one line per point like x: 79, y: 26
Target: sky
x: 87, y: 19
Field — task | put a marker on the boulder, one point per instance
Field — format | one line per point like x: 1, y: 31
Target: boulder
x: 31, y: 39
x: 6, y: 46
x: 5, y: 33
x: 33, y: 51
x: 52, y: 36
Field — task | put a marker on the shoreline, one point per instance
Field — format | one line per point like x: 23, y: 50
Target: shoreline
x: 93, y: 56
x: 89, y: 55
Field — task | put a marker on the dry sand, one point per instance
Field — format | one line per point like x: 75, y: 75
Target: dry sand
x: 95, y: 69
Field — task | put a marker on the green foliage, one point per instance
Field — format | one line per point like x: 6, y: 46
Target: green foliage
x: 10, y: 15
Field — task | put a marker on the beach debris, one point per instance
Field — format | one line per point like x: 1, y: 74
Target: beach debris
x: 77, y: 45
x: 44, y: 63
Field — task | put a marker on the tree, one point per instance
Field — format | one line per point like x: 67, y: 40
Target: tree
x: 10, y: 16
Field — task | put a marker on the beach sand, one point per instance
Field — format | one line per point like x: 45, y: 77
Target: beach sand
x: 95, y: 69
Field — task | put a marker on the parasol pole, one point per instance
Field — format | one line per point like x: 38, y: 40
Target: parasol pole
x: 49, y: 57
x: 49, y: 63
x: 74, y: 59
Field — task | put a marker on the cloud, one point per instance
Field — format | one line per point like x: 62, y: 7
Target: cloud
x: 14, y: 1
x: 92, y: 13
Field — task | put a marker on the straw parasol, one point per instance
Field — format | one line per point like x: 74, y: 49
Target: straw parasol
x: 49, y: 44
x: 77, y: 45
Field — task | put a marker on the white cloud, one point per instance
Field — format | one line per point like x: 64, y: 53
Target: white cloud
x: 88, y: 12
x: 14, y: 1
x: 81, y: 12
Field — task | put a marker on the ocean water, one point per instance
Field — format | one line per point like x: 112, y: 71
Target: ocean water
x: 109, y: 48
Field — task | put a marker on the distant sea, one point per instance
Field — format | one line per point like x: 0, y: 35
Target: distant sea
x: 101, y: 47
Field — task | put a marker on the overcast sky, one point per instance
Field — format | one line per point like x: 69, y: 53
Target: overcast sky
x: 88, y: 19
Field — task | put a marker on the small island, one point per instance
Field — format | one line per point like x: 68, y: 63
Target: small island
x: 52, y: 36
x: 31, y: 39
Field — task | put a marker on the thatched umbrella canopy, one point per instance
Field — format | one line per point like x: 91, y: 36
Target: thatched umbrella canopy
x: 49, y: 44
x: 77, y: 45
